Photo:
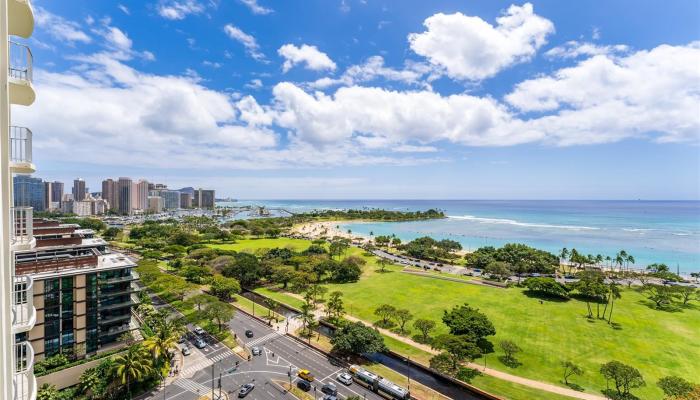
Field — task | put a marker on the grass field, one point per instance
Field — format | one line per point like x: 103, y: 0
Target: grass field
x: 658, y: 343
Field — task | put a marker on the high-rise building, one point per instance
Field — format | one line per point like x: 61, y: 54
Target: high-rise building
x: 185, y: 200
x: 17, y: 312
x: 171, y: 199
x: 79, y: 189
x: 155, y: 204
x: 142, y: 195
x: 125, y: 189
x: 29, y: 192
x: 111, y: 194
x: 56, y: 191
x: 48, y: 189
x: 203, y: 198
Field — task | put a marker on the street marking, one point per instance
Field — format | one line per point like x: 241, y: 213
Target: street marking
x: 332, y: 374
x: 192, y: 386
x: 262, y: 339
x: 198, y: 366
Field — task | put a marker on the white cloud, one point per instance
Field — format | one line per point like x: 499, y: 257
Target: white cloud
x: 256, y: 8
x: 60, y: 28
x: 344, y: 6
x: 212, y: 64
x: 470, y: 48
x: 575, y: 49
x: 248, y: 41
x: 374, y: 68
x: 605, y: 98
x: 254, y: 84
x: 124, y: 9
x: 118, y: 39
x: 310, y: 56
x: 179, y: 9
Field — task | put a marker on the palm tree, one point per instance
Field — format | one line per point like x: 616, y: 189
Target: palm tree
x: 620, y: 259
x: 615, y: 293
x: 629, y: 260
x: 608, y: 260
x: 599, y: 260
x: 134, y: 365
x: 165, y: 338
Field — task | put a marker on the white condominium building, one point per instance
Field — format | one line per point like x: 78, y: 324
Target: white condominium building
x: 17, y: 312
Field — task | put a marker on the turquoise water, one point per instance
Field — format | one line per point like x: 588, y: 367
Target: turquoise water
x: 652, y: 231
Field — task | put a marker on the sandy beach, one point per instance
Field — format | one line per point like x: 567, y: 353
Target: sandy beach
x: 326, y: 229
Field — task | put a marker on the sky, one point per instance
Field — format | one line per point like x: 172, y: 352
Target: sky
x: 365, y: 99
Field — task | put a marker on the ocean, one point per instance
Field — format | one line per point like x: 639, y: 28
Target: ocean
x: 652, y: 231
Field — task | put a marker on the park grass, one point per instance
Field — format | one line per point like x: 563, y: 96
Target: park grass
x: 247, y: 305
x: 250, y: 245
x: 658, y: 343
x: 280, y: 297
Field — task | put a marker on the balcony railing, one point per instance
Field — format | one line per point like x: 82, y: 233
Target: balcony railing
x: 22, y: 222
x: 23, y: 311
x: 23, y: 379
x: 20, y: 144
x: 56, y: 261
x: 21, y: 61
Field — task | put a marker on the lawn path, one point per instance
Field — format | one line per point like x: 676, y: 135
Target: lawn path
x: 488, y: 371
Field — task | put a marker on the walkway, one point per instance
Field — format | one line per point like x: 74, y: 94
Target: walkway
x: 488, y: 371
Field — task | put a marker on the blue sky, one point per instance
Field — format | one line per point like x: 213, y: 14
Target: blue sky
x: 372, y: 99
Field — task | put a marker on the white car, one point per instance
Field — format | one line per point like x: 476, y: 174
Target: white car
x: 198, y: 330
x: 344, y: 378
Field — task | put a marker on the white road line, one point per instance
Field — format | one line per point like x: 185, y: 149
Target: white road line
x: 331, y: 374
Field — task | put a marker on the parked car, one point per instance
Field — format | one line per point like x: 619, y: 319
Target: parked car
x: 329, y: 388
x: 199, y: 343
x: 344, y: 378
x: 304, y: 385
x: 186, y: 351
x: 329, y: 397
x: 249, y: 333
x: 182, y: 339
x: 245, y: 389
x: 198, y: 330
x: 256, y: 351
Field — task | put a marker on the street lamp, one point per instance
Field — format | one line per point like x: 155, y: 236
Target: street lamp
x: 408, y: 372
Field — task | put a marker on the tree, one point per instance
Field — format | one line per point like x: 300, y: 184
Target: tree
x: 134, y: 365
x: 244, y: 267
x: 443, y: 363
x: 465, y: 320
x: 424, y: 326
x: 509, y: 350
x: 356, y: 338
x: 383, y: 262
x: 48, y: 392
x: 111, y: 233
x: 385, y: 312
x: 675, y: 387
x: 591, y: 285
x: 220, y: 312
x: 334, y: 307
x: 547, y: 286
x: 338, y: 246
x: 570, y: 369
x: 403, y: 315
x: 459, y: 348
x: 624, y: 377
x: 661, y: 295
x: 201, y: 299
x: 498, y: 268
x: 282, y: 274
x: 686, y: 293
x: 348, y: 270
x: 615, y: 293
x: 307, y: 317
x: 223, y: 287
x: 165, y: 337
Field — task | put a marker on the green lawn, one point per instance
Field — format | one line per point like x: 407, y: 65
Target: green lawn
x: 658, y: 343
x: 250, y: 245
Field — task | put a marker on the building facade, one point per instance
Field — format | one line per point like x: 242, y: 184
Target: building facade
x: 29, y: 192
x: 56, y: 191
x: 79, y: 189
x: 125, y: 188
x: 110, y: 193
x: 203, y: 198
x: 17, y: 312
x: 155, y: 204
x: 171, y: 199
x: 142, y: 195
x: 185, y: 200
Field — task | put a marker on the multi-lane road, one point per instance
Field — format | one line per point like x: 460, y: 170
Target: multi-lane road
x: 280, y: 360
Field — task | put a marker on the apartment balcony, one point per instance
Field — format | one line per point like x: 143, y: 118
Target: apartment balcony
x: 23, y: 310
x: 55, y: 261
x: 21, y: 150
x: 21, y: 18
x: 24, y: 381
x: 23, y: 231
x: 20, y: 74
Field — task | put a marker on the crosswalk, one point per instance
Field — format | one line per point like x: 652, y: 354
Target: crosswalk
x: 263, y: 339
x: 198, y: 365
x: 192, y: 386
x: 221, y: 356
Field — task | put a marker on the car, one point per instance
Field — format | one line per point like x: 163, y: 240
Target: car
x: 329, y: 397
x: 199, y: 343
x: 304, y: 385
x: 329, y: 388
x: 306, y: 375
x: 186, y: 351
x: 182, y: 339
x: 245, y: 389
x: 256, y: 351
x: 344, y: 378
x: 198, y: 330
x: 248, y: 333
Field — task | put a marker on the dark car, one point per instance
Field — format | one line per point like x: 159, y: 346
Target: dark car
x: 330, y: 388
x: 303, y: 385
x: 249, y: 333
x: 245, y: 389
x: 199, y: 343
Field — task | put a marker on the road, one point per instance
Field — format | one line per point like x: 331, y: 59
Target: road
x: 280, y: 356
